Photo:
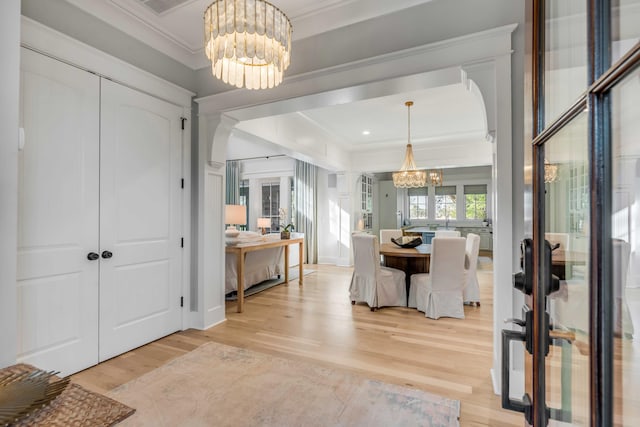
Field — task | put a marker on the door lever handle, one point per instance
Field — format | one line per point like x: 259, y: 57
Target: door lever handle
x: 106, y: 254
x: 518, y: 322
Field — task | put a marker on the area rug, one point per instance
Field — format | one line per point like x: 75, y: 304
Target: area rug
x: 75, y: 406
x: 219, y: 385
x: 259, y: 287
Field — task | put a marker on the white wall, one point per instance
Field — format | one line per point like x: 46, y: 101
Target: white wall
x: 9, y: 104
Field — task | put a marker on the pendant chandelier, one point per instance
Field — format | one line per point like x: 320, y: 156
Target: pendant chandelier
x: 248, y: 42
x: 550, y: 172
x: 434, y: 177
x: 409, y: 176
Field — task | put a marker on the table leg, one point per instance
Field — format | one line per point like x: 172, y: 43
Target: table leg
x: 286, y: 264
x: 300, y: 263
x: 240, y: 288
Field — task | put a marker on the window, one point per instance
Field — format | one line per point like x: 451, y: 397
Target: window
x: 475, y: 201
x: 271, y: 204
x: 244, y: 199
x: 293, y: 212
x: 446, y: 202
x: 367, y: 201
x: 418, y: 204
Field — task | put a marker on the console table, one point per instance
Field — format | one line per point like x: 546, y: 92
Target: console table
x: 241, y: 249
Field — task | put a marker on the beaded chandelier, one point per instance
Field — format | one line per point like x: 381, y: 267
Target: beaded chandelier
x: 409, y: 176
x: 248, y: 42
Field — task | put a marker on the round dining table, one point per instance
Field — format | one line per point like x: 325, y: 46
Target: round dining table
x: 409, y: 260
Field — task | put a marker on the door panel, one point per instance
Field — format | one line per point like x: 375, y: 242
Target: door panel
x: 625, y: 242
x: 140, y: 222
x: 566, y: 188
x: 565, y: 60
x: 58, y: 215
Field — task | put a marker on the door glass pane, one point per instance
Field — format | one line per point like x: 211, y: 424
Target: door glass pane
x: 625, y: 226
x: 567, y: 230
x: 625, y: 27
x: 565, y: 74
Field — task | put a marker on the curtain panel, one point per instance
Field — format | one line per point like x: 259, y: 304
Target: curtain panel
x: 305, y: 182
x: 232, y: 193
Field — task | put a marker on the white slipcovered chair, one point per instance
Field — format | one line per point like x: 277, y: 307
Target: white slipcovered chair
x: 471, y: 292
x: 447, y: 233
x: 387, y: 234
x: 371, y: 283
x: 439, y: 293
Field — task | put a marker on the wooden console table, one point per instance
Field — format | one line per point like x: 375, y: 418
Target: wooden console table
x: 241, y: 249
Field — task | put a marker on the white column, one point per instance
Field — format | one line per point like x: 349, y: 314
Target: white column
x: 214, y: 134
x: 9, y: 107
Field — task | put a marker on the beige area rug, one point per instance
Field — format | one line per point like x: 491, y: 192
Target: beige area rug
x: 219, y: 385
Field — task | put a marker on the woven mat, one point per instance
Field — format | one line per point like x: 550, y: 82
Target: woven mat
x: 76, y: 406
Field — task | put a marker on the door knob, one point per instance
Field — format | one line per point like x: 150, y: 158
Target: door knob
x: 106, y: 254
x: 92, y: 256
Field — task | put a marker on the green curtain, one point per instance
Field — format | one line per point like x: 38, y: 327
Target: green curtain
x: 233, y: 183
x: 306, y: 206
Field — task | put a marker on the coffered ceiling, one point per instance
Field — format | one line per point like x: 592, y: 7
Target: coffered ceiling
x: 175, y: 26
x: 448, y: 119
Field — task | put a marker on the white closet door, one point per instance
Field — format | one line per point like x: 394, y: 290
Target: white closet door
x: 140, y: 219
x: 58, y: 215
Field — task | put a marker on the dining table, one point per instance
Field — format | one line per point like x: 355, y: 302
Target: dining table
x: 410, y: 260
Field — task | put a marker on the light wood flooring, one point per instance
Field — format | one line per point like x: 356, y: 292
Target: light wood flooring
x: 318, y: 324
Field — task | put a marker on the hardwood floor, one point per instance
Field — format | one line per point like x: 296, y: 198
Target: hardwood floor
x: 317, y: 323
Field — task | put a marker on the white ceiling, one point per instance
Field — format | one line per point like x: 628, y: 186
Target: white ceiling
x: 178, y: 31
x: 444, y: 116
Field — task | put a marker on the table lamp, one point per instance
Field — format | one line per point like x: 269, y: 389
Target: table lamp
x: 264, y: 223
x: 234, y: 215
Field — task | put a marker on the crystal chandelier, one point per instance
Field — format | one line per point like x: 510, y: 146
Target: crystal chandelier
x: 434, y: 177
x: 409, y: 176
x: 248, y: 42
x: 550, y: 172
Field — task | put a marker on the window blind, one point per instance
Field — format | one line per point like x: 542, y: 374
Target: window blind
x: 475, y: 189
x: 448, y: 190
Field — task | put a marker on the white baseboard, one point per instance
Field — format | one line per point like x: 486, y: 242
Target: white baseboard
x: 327, y: 260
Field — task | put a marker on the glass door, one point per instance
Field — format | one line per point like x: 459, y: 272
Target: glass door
x: 580, y: 268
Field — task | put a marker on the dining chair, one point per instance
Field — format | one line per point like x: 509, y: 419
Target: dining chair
x: 471, y: 294
x: 372, y: 283
x: 447, y: 233
x: 439, y: 292
x: 390, y: 233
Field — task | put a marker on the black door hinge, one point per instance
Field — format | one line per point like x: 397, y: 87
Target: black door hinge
x: 182, y: 183
x: 183, y: 119
x: 182, y: 242
x: 181, y: 301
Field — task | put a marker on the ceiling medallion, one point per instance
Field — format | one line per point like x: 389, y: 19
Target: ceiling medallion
x: 248, y: 42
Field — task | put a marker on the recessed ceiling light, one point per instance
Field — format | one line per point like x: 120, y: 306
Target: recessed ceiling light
x: 366, y: 132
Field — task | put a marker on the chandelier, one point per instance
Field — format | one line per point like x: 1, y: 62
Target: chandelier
x: 434, y: 177
x: 550, y: 172
x: 409, y: 176
x: 248, y: 42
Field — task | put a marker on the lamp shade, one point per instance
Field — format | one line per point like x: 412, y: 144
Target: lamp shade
x: 235, y: 214
x: 264, y: 222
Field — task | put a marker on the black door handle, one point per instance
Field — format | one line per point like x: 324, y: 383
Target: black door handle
x: 92, y: 256
x: 106, y: 254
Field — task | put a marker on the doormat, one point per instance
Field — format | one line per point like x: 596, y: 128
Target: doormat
x: 75, y: 406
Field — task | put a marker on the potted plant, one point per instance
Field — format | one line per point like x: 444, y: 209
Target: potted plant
x: 285, y: 229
